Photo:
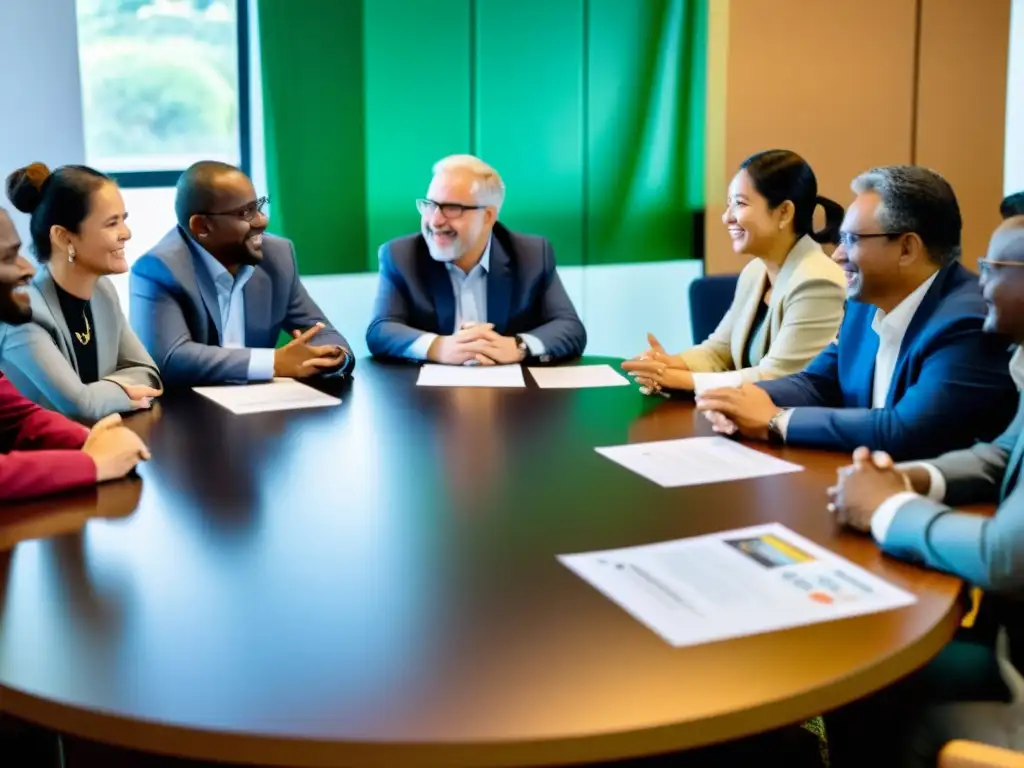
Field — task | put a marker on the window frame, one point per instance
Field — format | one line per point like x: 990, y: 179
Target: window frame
x: 150, y: 179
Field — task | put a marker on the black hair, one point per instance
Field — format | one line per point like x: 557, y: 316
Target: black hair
x: 780, y: 175
x: 196, y: 189
x: 1012, y: 205
x: 53, y: 199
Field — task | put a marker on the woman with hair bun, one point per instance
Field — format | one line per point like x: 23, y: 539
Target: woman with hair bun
x: 789, y: 299
x: 77, y: 356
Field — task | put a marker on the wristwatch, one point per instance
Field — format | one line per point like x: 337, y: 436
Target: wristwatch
x: 775, y: 427
x: 521, y: 346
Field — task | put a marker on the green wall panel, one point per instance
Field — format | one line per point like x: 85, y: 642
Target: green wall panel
x: 592, y: 111
x: 312, y: 66
x: 529, y: 115
x: 417, y: 99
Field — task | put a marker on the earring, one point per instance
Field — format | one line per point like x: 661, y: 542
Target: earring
x: 71, y: 254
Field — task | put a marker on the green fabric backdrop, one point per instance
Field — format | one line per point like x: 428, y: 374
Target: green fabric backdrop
x: 592, y: 111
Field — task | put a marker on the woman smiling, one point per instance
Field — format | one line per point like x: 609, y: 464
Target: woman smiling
x: 78, y: 356
x: 789, y: 299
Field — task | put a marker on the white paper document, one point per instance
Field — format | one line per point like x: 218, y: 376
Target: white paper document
x: 277, y: 395
x: 578, y: 377
x: 696, y: 461
x: 432, y: 375
x: 732, y: 584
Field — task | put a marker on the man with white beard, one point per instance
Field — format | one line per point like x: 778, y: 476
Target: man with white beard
x: 466, y: 290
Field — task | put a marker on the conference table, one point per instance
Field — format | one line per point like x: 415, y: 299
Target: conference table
x: 376, y: 583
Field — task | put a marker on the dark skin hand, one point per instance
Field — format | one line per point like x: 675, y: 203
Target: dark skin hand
x: 864, y: 486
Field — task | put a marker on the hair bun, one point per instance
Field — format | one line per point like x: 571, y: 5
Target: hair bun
x: 25, y: 186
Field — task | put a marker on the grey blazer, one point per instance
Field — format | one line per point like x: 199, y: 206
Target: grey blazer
x: 38, y: 357
x: 988, y: 552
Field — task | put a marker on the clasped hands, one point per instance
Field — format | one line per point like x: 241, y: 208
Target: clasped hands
x: 475, y: 344
x: 298, y: 359
x: 655, y: 370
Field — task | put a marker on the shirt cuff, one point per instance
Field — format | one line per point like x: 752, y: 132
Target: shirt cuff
x: 261, y: 364
x: 418, y: 349
x: 937, y: 482
x: 702, y: 382
x: 783, y: 422
x: 535, y: 345
x: 885, y: 513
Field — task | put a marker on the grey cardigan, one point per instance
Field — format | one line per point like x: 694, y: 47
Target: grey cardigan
x: 38, y: 357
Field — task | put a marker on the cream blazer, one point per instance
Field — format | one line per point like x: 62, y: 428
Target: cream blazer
x: 803, y: 318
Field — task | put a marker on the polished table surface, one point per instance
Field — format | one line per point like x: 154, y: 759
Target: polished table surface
x: 377, y: 584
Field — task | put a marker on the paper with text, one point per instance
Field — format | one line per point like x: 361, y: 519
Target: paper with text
x: 277, y: 395
x: 432, y: 375
x: 578, y: 377
x: 733, y: 584
x: 696, y: 461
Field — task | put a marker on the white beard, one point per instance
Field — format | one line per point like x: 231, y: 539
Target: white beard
x: 454, y: 250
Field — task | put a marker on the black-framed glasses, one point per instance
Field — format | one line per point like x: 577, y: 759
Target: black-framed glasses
x: 987, y: 266
x: 850, y: 239
x: 426, y: 206
x: 246, y: 213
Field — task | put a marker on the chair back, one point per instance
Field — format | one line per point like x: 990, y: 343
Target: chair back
x: 710, y: 298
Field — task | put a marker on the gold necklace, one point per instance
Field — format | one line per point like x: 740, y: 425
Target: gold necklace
x: 84, y: 338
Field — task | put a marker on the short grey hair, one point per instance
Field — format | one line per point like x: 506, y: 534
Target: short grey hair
x: 488, y: 188
x: 918, y: 200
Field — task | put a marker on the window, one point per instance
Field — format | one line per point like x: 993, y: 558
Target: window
x: 164, y: 84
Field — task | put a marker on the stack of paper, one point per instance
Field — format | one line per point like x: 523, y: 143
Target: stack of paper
x: 278, y: 395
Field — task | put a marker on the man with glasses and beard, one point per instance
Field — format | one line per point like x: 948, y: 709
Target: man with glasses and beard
x: 466, y: 290
x: 42, y: 452
x: 210, y: 301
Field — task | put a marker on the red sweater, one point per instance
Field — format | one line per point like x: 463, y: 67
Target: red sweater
x: 39, y: 449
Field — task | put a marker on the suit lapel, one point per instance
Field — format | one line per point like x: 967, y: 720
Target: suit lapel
x: 745, y: 316
x: 863, y: 373
x: 206, y: 287
x: 499, y: 286
x: 256, y: 297
x: 922, y: 315
x: 441, y: 292
x: 44, y: 283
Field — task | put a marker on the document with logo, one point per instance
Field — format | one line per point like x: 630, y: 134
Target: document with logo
x: 578, y: 377
x: 277, y: 395
x: 733, y: 584
x: 432, y: 375
x: 696, y: 461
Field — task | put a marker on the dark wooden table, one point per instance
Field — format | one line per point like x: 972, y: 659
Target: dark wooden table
x: 376, y: 584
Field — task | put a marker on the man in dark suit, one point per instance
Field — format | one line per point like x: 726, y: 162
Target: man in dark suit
x: 912, y: 372
x: 209, y: 302
x: 466, y: 290
x: 42, y: 452
x: 909, y: 510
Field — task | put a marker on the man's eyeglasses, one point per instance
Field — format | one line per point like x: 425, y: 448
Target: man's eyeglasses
x: 850, y: 239
x: 246, y: 213
x: 427, y: 207
x: 988, y: 266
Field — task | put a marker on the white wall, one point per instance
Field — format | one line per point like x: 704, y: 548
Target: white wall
x: 1013, y: 174
x: 42, y: 97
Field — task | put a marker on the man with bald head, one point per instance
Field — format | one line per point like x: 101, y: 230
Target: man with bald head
x: 466, y: 290
x: 210, y: 301
x: 909, y: 509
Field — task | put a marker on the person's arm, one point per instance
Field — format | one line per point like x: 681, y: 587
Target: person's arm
x: 161, y: 327
x: 389, y: 333
x: 135, y: 367
x: 561, y: 334
x: 31, y: 350
x: 303, y: 313
x: 714, y: 354
x: 816, y: 386
x: 811, y: 316
x: 962, y: 389
x: 39, y: 449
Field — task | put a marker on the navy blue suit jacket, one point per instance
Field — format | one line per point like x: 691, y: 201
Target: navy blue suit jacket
x: 951, y: 385
x: 524, y: 295
x: 175, y: 313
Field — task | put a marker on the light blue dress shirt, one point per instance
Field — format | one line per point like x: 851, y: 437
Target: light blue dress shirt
x: 470, y: 290
x: 232, y: 314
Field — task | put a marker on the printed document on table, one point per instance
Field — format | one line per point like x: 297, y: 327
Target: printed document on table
x: 432, y: 375
x: 277, y: 395
x: 578, y: 377
x: 733, y: 584
x: 696, y: 461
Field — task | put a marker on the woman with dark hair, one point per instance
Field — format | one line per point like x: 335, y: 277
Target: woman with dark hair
x: 78, y: 356
x: 789, y: 299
